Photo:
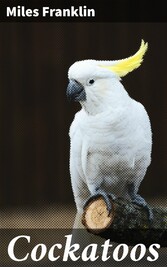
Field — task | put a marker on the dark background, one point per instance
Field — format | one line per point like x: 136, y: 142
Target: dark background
x: 35, y: 115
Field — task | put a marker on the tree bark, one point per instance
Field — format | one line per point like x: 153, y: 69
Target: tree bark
x: 127, y: 223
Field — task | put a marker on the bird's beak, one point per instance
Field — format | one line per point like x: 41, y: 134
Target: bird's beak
x: 75, y: 91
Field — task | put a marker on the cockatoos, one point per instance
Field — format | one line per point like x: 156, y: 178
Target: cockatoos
x: 111, y: 137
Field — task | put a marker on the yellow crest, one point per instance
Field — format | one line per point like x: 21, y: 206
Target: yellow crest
x: 124, y: 66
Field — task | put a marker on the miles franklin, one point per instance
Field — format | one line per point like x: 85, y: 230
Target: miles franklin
x: 22, y: 11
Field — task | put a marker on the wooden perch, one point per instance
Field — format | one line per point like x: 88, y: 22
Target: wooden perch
x: 127, y: 223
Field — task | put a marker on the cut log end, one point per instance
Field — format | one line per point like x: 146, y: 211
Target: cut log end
x: 96, y: 217
x: 127, y: 222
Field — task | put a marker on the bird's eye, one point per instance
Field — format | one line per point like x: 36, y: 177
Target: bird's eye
x: 91, y: 81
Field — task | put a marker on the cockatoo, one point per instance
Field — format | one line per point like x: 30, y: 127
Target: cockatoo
x: 111, y: 137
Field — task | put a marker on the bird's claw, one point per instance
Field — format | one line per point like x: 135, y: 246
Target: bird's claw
x: 138, y: 200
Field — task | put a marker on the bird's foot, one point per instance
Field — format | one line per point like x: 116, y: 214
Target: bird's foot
x: 138, y: 200
x: 105, y: 196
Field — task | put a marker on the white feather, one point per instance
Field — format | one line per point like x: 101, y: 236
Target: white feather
x: 110, y: 136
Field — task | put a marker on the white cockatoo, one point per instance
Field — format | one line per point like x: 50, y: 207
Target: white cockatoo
x: 111, y: 137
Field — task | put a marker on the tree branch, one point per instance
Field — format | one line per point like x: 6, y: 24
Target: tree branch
x: 127, y: 223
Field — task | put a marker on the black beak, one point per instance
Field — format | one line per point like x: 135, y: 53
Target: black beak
x: 75, y: 91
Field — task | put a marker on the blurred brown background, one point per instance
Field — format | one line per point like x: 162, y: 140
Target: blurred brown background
x: 35, y: 115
